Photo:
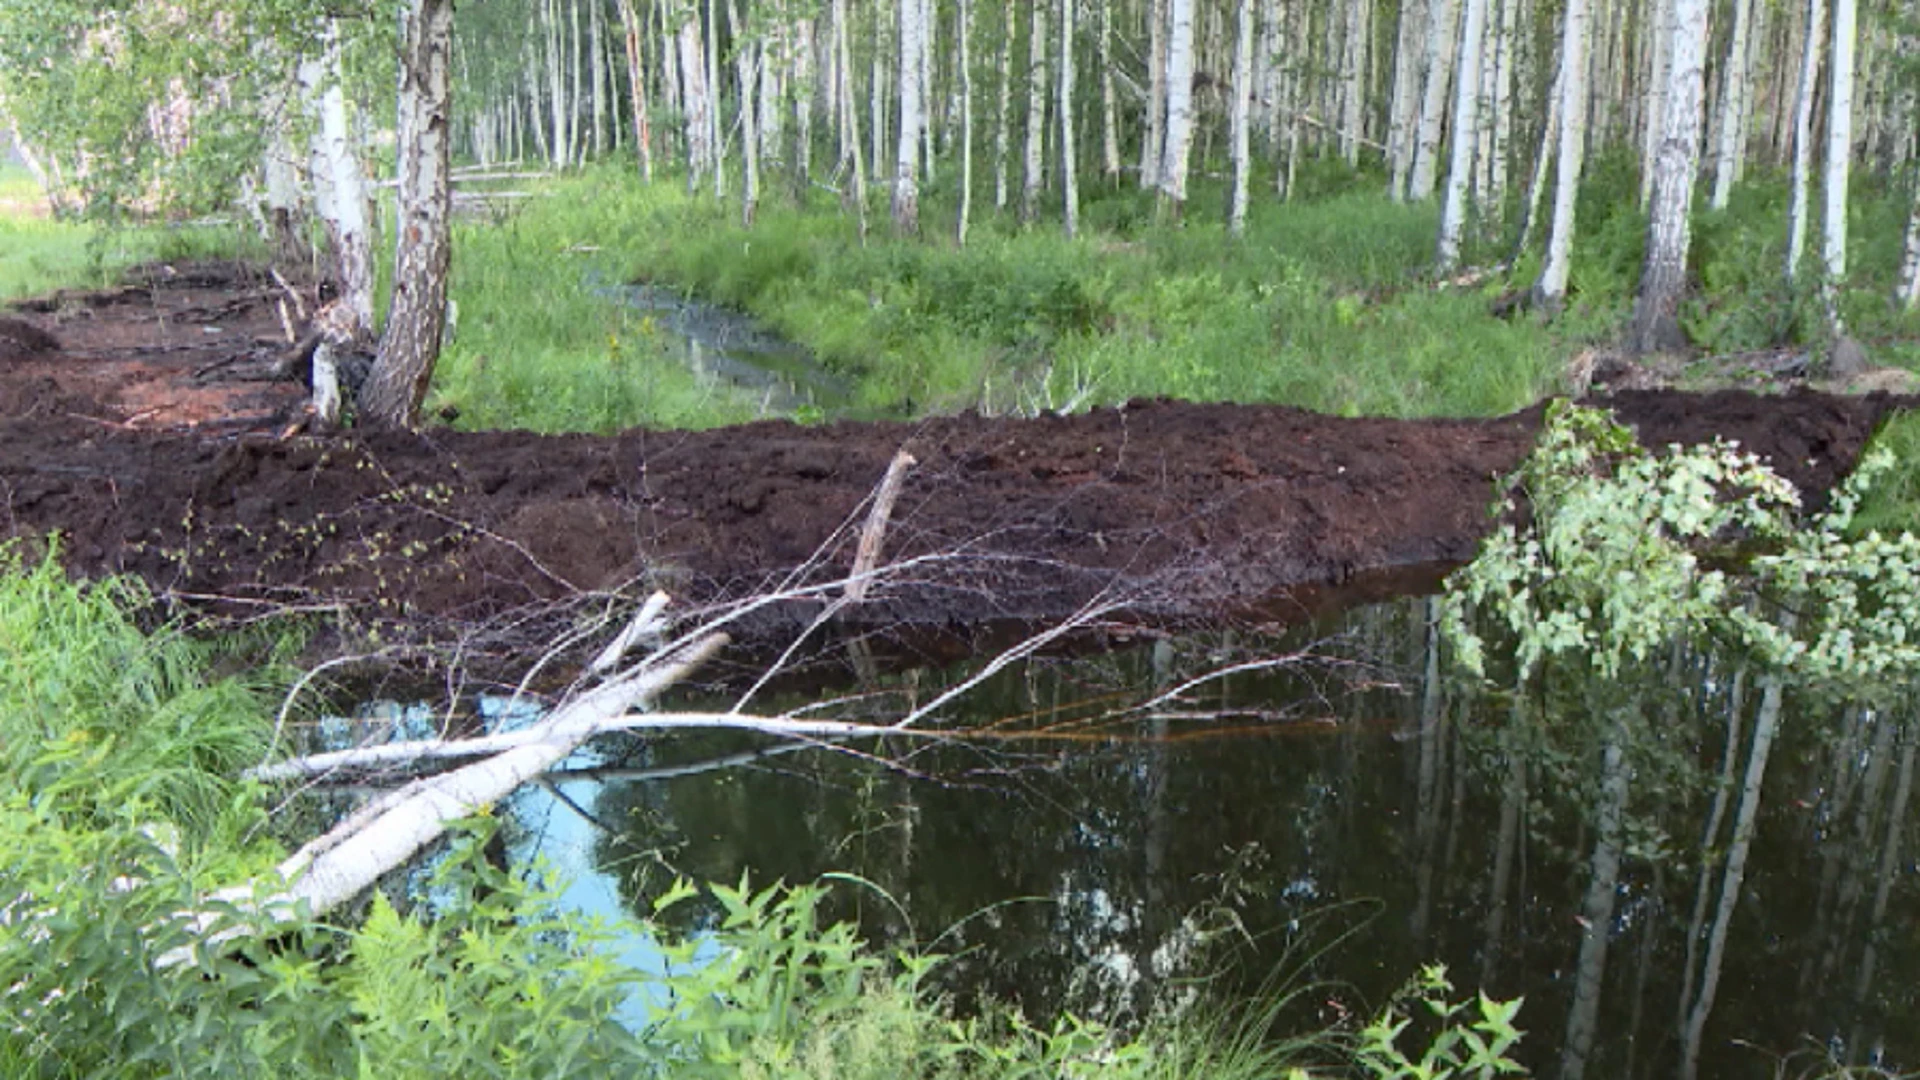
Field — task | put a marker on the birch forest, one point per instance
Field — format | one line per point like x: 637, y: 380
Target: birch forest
x: 1492, y: 108
x: 1495, y: 110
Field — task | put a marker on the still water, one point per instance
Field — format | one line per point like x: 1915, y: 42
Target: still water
x: 1107, y: 839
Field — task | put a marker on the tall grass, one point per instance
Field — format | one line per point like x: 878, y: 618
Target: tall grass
x: 534, y: 346
x: 1320, y: 306
x: 39, y: 254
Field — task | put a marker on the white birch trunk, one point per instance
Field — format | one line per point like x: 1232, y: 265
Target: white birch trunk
x: 1442, y: 36
x: 424, y: 229
x: 1663, y: 276
x: 1404, y: 109
x: 696, y: 101
x: 855, y: 193
x: 1662, y: 30
x: 1466, y: 121
x: 715, y: 140
x: 1173, y: 166
x: 746, y: 64
x: 1033, y: 176
x: 1797, y: 212
x: 1906, y: 289
x: 1733, y: 105
x: 1267, y: 69
x: 1069, y: 182
x: 1109, y: 108
x: 637, y: 89
x: 1550, y: 292
x: 1353, y: 79
x: 1003, y: 110
x: 801, y: 86
x: 1239, y: 120
x: 596, y: 58
x: 561, y: 140
x: 340, y: 188
x: 906, y: 168
x: 1153, y: 146
x: 1839, y: 154
x: 963, y: 32
x: 1502, y: 125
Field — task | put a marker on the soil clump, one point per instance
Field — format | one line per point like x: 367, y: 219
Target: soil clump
x: 155, y: 438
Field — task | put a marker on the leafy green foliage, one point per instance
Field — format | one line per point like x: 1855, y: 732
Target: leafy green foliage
x: 1472, y: 1037
x: 1619, y: 552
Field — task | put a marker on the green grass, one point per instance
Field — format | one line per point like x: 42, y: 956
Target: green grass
x: 1321, y: 306
x: 536, y: 349
x: 41, y: 254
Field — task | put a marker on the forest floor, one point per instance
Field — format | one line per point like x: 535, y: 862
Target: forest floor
x: 145, y: 426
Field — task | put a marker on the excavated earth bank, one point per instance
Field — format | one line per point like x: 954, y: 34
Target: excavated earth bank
x: 144, y: 425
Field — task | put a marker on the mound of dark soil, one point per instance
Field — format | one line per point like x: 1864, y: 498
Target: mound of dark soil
x: 1177, y: 508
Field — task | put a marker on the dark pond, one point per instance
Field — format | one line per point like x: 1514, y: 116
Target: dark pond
x: 1341, y: 819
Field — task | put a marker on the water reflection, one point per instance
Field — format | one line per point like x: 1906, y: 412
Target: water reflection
x: 1655, y: 897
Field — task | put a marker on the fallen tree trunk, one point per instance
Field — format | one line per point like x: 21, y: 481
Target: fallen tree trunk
x: 349, y: 858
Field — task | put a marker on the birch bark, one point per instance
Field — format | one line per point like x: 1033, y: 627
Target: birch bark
x: 1733, y: 106
x: 1466, y: 121
x: 1069, y: 183
x: 1153, y: 145
x: 1550, y: 292
x: 340, y: 191
x: 1033, y: 175
x: 1238, y: 119
x: 1443, y: 33
x: 637, y: 89
x: 1663, y: 276
x: 1803, y: 136
x: 906, y: 175
x: 1403, y: 110
x: 1839, y: 154
x: 1173, y: 166
x: 411, y: 345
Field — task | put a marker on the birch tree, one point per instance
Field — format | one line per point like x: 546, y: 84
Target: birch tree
x: 1663, y: 276
x: 1466, y: 121
x: 1109, y: 109
x: 1153, y: 141
x: 963, y: 30
x: 1240, y: 122
x: 340, y: 193
x: 1803, y: 136
x: 1069, y: 185
x: 1033, y: 175
x: 1839, y: 153
x: 906, y: 180
x: 1443, y: 21
x: 1003, y: 109
x: 1906, y: 289
x: 696, y: 101
x: 1733, y: 106
x: 637, y: 89
x: 411, y: 344
x: 1173, y: 166
x: 1550, y: 292
x: 1403, y: 108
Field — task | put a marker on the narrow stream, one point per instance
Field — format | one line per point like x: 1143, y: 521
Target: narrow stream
x: 731, y: 349
x: 1343, y: 820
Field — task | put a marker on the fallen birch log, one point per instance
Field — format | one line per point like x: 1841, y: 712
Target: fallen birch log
x: 349, y: 858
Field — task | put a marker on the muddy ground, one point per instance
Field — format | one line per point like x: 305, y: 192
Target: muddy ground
x: 144, y: 424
